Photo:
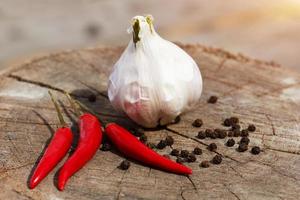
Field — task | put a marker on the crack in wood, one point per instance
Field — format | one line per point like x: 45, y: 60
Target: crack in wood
x: 283, y: 151
x: 271, y: 123
x: 15, y: 168
x: 22, y: 194
x: 38, y: 83
x: 11, y: 120
x: 239, y: 174
x: 220, y: 66
x: 231, y: 192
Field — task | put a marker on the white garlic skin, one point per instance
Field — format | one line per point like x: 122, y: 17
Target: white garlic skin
x: 154, y: 80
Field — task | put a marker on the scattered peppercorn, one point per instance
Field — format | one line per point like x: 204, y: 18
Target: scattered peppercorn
x: 227, y: 122
x: 197, y: 151
x: 92, y: 98
x: 251, y: 128
x: 212, y: 99
x: 197, y: 123
x: 234, y: 120
x: 204, y: 164
x: 242, y: 147
x: 161, y: 145
x: 106, y: 147
x: 180, y: 160
x: 213, y: 135
x: 166, y: 156
x: 175, y: 152
x: 169, y: 140
x: 255, y: 150
x: 244, y: 133
x: 245, y: 140
x: 230, y: 133
x: 236, y: 133
x: 125, y: 164
x: 184, y: 153
x: 212, y: 147
x: 222, y: 134
x: 217, y: 159
x: 177, y: 120
x: 201, y: 135
x: 208, y: 132
x: 151, y: 145
x: 235, y: 127
x: 191, y: 157
x: 230, y: 142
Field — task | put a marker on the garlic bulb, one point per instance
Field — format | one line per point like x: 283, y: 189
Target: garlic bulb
x: 154, y: 80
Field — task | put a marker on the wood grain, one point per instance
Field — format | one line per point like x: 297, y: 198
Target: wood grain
x: 257, y: 92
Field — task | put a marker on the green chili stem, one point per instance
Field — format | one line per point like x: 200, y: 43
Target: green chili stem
x: 59, y: 114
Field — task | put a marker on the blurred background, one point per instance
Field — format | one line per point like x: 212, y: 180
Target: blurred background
x: 264, y: 29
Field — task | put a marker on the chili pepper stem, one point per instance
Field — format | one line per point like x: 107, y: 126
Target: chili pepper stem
x: 73, y: 103
x: 59, y: 114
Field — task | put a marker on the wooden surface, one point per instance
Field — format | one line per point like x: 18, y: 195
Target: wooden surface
x: 257, y: 92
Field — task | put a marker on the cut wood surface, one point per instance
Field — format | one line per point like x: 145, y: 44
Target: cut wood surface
x: 257, y: 92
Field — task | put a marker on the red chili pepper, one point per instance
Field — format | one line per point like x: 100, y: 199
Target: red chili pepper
x: 131, y: 147
x: 56, y: 150
x: 89, y: 142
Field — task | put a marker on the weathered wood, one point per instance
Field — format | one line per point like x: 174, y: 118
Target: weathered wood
x: 257, y: 92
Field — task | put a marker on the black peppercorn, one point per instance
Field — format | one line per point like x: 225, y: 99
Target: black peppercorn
x: 217, y: 159
x: 212, y: 99
x: 184, y: 153
x: 169, y: 140
x: 230, y: 133
x: 161, y: 145
x: 236, y: 133
x: 191, y: 157
x: 208, y: 132
x: 197, y: 123
x: 175, y: 152
x: 244, y: 133
x: 212, y: 147
x: 216, y: 133
x: 213, y: 135
x: 242, y: 147
x: 106, y: 147
x: 251, y: 128
x: 125, y: 164
x: 204, y: 164
x: 222, y: 134
x: 201, y: 135
x: 92, y: 98
x: 234, y: 120
x: 255, y: 150
x: 227, y: 122
x: 235, y: 127
x: 230, y: 142
x: 245, y: 140
x: 197, y: 151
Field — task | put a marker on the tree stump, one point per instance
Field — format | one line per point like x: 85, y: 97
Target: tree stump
x: 257, y: 92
